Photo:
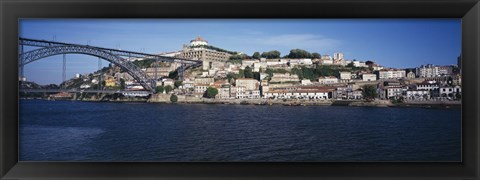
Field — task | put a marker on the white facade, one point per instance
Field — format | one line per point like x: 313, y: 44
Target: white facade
x: 369, y: 77
x: 391, y: 74
x: 297, y: 95
x: 199, y: 41
x: 328, y: 80
x: 345, y: 75
x: 337, y: 56
x: 418, y: 95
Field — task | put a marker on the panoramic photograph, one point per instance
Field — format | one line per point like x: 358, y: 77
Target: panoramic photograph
x: 240, y: 90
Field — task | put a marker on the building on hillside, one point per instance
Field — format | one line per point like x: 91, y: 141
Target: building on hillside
x: 344, y: 75
x: 248, y: 83
x: 410, y: 75
x: 328, y: 80
x: 369, y: 77
x: 391, y: 74
x: 287, y: 77
x: 206, y: 80
x: 198, y: 50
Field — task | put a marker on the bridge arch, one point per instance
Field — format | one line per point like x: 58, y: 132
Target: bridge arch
x: 131, y: 68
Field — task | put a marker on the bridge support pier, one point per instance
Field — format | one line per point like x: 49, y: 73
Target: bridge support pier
x: 64, y: 71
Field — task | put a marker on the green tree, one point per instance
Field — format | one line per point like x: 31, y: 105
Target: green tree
x: 248, y: 72
x: 299, y: 53
x: 350, y: 65
x: 271, y: 54
x: 173, y: 75
x: 256, y: 55
x: 173, y: 98
x: 159, y: 89
x: 178, y: 84
x: 369, y: 63
x: 369, y: 92
x: 316, y: 55
x: 168, y: 89
x: 122, y: 84
x: 211, y: 92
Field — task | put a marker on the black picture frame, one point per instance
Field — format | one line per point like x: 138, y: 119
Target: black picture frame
x: 467, y: 10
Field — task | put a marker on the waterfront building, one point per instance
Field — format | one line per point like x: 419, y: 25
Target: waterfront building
x: 369, y: 77
x: 223, y: 91
x: 417, y: 95
x: 317, y: 93
x: 391, y: 90
x: 200, y: 88
x: 428, y: 85
x: 449, y: 91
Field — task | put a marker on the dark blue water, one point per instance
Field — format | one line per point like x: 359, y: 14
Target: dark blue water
x: 91, y: 131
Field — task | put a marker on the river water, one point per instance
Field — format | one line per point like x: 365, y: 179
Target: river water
x: 102, y: 131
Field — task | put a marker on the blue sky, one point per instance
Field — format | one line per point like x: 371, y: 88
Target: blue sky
x: 398, y: 43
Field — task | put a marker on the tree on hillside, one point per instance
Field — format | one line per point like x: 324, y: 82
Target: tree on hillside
x: 299, y: 53
x: 369, y: 92
x: 122, y: 84
x: 178, y: 84
x: 316, y: 55
x: 168, y: 88
x: 368, y: 63
x: 256, y: 55
x: 248, y: 72
x: 350, y: 65
x: 271, y: 54
x: 211, y: 92
x: 159, y: 89
x: 173, y: 98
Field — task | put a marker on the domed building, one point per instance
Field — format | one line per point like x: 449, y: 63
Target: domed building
x: 198, y: 41
x: 211, y: 57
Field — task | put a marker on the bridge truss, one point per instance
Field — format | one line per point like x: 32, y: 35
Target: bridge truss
x: 118, y: 57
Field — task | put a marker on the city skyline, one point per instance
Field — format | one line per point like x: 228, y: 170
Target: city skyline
x: 396, y: 43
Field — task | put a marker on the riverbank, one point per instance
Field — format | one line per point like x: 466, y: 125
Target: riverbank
x: 165, y: 98
x: 182, y: 99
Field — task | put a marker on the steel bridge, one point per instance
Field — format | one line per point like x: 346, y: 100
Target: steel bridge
x: 115, y: 56
x: 83, y: 91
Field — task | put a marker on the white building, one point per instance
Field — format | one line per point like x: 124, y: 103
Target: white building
x: 369, y: 77
x: 306, y: 82
x: 417, y: 95
x: 391, y: 74
x: 298, y: 94
x: 328, y: 80
x: 337, y: 56
x: 345, y: 75
x: 199, y: 41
